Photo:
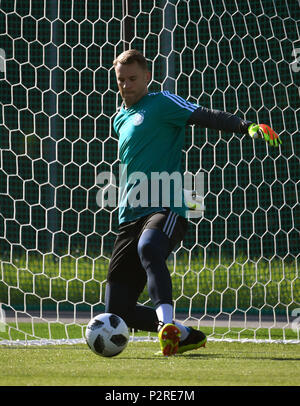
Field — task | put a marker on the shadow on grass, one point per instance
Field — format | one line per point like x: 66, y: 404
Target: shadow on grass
x: 190, y: 356
x: 240, y: 356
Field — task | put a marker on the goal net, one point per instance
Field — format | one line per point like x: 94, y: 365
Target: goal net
x: 236, y: 275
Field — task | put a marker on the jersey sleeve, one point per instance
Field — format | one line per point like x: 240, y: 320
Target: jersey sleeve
x: 218, y: 120
x: 176, y: 110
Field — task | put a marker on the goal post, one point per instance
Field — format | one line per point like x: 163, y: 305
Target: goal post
x: 237, y: 272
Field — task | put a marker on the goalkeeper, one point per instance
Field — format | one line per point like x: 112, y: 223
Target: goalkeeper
x: 150, y: 128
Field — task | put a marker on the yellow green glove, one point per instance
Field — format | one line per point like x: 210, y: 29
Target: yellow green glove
x: 265, y: 132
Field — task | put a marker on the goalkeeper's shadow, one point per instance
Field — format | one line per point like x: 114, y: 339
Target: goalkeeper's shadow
x: 235, y: 357
x: 206, y: 357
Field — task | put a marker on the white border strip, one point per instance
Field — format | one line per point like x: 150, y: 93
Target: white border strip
x: 42, y: 342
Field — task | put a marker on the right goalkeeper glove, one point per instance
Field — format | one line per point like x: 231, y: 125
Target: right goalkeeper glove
x: 265, y: 132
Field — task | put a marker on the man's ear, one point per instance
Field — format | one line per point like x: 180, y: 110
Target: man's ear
x: 148, y: 76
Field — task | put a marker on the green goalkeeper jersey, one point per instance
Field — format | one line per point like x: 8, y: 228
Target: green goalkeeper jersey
x: 151, y: 135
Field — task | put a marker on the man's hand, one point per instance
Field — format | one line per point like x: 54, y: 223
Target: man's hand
x: 265, y: 132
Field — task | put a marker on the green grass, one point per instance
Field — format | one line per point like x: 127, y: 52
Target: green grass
x: 220, y: 364
x: 30, y: 331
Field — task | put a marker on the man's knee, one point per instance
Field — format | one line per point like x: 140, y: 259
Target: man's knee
x: 152, y: 246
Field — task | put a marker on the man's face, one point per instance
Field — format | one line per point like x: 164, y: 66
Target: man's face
x: 132, y: 82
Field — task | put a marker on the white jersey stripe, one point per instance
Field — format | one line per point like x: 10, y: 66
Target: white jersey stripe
x: 167, y: 221
x: 183, y: 101
x: 170, y: 224
x: 180, y: 101
x: 174, y: 223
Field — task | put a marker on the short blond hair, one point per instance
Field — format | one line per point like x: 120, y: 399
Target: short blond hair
x: 131, y: 56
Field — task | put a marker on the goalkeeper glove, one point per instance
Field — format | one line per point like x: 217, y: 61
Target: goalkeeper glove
x: 194, y: 202
x: 265, y: 132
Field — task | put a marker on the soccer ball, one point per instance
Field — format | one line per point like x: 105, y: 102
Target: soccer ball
x: 107, y: 335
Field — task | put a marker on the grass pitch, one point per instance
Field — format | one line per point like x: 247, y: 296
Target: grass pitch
x: 243, y: 284
x: 219, y: 364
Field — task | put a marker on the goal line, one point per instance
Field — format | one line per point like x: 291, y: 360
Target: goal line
x: 76, y: 341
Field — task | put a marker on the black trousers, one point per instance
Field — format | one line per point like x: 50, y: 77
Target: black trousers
x: 130, y: 270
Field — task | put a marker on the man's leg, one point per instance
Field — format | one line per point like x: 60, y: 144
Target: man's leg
x: 121, y: 299
x: 161, y: 233
x: 126, y: 280
x: 153, y: 249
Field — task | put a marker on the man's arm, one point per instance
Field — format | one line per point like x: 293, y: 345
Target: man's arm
x: 227, y: 122
x: 218, y: 120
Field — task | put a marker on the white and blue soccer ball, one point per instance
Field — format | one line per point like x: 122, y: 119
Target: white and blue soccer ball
x: 107, y: 335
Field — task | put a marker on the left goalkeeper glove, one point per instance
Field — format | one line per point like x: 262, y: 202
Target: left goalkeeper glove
x: 265, y: 132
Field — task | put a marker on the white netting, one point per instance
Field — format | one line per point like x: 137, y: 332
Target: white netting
x: 237, y: 271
